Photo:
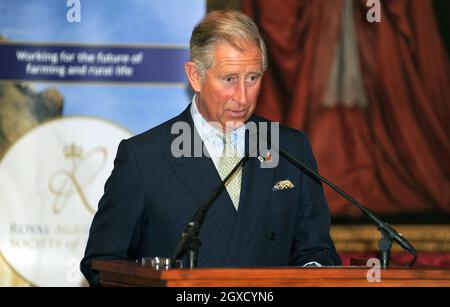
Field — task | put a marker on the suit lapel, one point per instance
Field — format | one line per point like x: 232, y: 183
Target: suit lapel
x: 200, y: 177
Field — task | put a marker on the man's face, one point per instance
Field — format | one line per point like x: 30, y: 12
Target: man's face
x: 230, y: 89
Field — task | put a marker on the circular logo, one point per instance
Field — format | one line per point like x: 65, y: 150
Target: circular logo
x: 50, y: 183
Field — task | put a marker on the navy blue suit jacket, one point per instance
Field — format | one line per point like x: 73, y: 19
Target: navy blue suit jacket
x: 151, y: 196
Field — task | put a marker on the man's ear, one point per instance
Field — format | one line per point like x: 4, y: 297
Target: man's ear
x: 193, y: 76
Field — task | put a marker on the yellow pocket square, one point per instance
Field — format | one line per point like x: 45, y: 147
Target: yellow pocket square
x: 282, y: 185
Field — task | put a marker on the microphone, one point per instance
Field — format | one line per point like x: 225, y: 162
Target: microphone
x: 388, y: 233
x: 189, y: 241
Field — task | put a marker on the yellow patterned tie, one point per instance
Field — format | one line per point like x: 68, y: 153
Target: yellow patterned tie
x: 228, y: 160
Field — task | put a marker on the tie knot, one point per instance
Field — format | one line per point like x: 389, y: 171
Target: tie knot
x: 226, y: 138
x: 229, y: 148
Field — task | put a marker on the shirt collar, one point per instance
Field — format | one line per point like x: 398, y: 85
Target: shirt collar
x: 207, y: 131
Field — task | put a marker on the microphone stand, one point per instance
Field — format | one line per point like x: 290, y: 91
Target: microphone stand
x: 388, y: 234
x: 189, y: 241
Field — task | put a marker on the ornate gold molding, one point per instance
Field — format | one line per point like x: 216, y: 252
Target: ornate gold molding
x: 364, y: 238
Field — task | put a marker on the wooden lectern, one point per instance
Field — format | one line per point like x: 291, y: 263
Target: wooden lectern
x: 119, y: 273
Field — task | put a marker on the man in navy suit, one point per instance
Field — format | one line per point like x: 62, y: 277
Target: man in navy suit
x: 265, y: 217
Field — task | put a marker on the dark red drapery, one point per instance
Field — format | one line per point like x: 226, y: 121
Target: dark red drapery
x: 392, y: 155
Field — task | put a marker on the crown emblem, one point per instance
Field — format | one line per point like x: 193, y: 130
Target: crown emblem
x: 73, y: 151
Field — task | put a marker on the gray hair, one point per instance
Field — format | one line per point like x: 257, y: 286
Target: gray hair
x: 228, y: 26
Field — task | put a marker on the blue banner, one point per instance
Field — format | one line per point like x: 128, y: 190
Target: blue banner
x: 76, y: 78
x: 57, y: 62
